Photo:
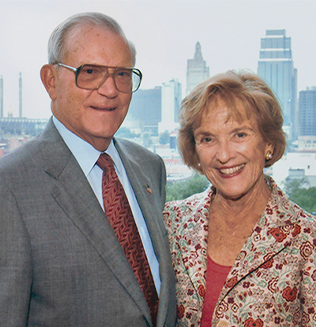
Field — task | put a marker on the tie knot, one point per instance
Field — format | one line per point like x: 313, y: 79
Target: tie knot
x: 105, y: 162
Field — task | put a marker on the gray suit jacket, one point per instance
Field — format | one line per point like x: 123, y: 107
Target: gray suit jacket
x: 60, y: 262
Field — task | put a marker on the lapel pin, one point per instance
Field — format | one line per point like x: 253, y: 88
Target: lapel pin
x: 149, y: 189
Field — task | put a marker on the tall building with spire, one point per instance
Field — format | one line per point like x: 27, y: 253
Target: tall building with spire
x: 276, y: 67
x: 197, y: 71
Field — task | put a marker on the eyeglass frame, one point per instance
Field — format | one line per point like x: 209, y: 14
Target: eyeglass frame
x: 78, y: 69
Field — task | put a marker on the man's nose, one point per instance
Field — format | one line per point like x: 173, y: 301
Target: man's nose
x: 108, y: 88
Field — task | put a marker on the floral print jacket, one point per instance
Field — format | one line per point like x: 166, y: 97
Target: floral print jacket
x: 273, y: 280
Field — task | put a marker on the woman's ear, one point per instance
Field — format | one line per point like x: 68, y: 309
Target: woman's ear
x: 48, y: 77
x: 270, y: 148
x: 269, y: 151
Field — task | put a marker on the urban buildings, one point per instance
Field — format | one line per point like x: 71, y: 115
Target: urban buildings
x: 307, y: 112
x: 171, y: 97
x: 307, y: 120
x: 154, y: 112
x: 276, y: 67
x: 197, y: 71
x: 145, y: 110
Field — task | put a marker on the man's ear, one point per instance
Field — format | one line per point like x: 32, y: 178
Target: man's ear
x: 48, y: 77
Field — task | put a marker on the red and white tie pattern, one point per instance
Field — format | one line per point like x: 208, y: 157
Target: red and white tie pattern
x: 119, y: 214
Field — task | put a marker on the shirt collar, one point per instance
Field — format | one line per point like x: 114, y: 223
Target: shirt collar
x: 84, y: 152
x: 112, y: 152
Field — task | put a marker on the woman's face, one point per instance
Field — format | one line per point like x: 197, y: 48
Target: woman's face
x: 231, y: 153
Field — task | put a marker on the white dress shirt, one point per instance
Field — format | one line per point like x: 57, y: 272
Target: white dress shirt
x: 87, y: 156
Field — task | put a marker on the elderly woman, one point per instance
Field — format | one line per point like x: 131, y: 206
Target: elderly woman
x: 243, y: 253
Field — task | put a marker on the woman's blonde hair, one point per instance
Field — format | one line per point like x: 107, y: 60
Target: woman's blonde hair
x: 235, y: 90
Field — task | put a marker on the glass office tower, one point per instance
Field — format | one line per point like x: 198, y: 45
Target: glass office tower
x: 307, y: 112
x: 276, y: 67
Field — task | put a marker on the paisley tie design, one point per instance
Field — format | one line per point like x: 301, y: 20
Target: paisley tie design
x: 119, y: 214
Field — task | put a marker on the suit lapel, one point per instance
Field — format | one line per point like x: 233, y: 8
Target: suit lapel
x: 141, y: 185
x: 146, y: 199
x: 74, y: 195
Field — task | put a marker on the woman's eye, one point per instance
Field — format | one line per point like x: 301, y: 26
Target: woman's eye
x: 205, y: 140
x: 241, y: 135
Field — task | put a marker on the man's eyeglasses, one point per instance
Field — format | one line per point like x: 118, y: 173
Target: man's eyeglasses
x: 91, y: 77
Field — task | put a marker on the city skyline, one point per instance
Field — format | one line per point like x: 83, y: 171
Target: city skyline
x: 165, y: 34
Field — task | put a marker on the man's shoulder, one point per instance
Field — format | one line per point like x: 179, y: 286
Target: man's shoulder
x: 19, y: 155
x: 133, y: 149
x: 31, y: 152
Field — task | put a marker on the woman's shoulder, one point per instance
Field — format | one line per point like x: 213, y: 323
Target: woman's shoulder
x: 289, y: 218
x: 282, y: 204
x: 177, y: 214
x: 190, y: 203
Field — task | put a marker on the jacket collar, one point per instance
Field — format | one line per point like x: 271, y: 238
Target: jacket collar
x: 194, y: 246
x: 273, y: 232
x: 74, y: 195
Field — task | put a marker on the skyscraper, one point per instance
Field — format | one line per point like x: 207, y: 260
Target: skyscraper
x: 307, y: 120
x: 307, y: 112
x: 196, y: 69
x: 276, y: 67
x: 171, y: 96
x: 145, y: 109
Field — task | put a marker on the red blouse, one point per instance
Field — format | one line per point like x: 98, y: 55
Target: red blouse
x: 215, y: 279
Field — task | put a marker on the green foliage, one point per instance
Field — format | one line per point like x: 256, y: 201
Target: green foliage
x: 298, y: 193
x: 182, y: 189
x: 294, y: 188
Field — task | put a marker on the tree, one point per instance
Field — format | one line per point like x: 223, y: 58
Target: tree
x: 306, y: 199
x: 183, y: 189
x: 298, y: 193
x: 293, y: 186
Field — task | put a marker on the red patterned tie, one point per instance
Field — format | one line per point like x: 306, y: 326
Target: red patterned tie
x: 120, y: 216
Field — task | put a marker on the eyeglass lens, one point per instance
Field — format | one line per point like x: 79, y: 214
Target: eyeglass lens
x: 92, y: 77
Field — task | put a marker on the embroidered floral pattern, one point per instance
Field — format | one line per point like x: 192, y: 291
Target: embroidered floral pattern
x: 250, y: 322
x: 273, y: 280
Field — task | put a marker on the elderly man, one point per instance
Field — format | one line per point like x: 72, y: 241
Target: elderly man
x: 82, y: 240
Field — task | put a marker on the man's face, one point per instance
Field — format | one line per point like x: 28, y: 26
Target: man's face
x: 93, y: 115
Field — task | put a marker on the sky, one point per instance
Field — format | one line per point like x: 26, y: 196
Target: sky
x: 164, y: 33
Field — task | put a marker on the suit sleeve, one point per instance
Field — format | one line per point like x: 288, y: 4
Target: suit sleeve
x: 163, y: 182
x: 15, y: 263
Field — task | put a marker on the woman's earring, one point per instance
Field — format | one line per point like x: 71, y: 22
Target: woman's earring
x: 269, y: 155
